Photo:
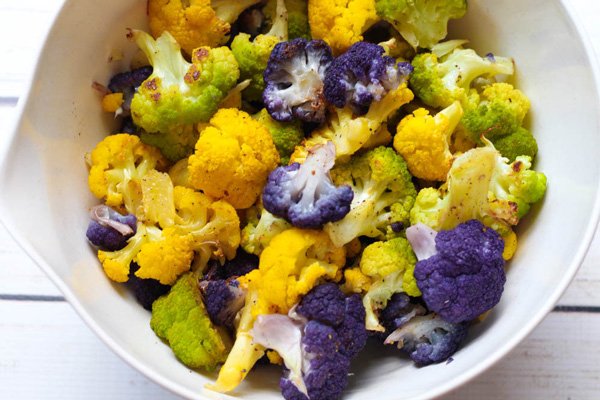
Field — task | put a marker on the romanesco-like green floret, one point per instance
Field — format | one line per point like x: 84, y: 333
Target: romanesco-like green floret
x: 422, y: 23
x: 286, y: 135
x: 439, y: 82
x: 180, y: 319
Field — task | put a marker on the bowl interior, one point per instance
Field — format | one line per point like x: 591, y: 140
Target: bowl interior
x: 45, y: 198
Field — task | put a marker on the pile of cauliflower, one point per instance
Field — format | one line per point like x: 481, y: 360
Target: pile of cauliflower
x: 291, y: 178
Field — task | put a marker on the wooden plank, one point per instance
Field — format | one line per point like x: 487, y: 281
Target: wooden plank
x: 48, y: 344
x: 49, y: 353
x: 559, y: 360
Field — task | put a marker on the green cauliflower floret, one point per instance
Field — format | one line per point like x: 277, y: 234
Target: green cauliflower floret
x: 499, y: 111
x: 383, y: 196
x: 297, y: 11
x: 519, y: 143
x: 175, y: 144
x: 286, y: 135
x: 422, y: 23
x: 180, y: 319
x: 253, y: 55
x: 179, y: 94
x: 261, y: 227
x: 481, y: 185
x: 391, y: 266
x: 439, y: 81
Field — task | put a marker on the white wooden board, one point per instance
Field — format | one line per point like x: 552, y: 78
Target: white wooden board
x: 46, y: 352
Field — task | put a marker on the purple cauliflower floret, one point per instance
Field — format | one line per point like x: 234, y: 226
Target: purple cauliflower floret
x: 400, y: 309
x: 429, y: 339
x: 109, y: 230
x: 362, y: 75
x: 146, y: 291
x: 304, y: 195
x: 222, y: 299
x: 317, y: 342
x: 240, y: 265
x: 127, y: 83
x: 294, y: 80
x: 465, y: 276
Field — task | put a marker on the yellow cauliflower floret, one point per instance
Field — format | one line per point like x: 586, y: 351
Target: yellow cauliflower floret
x: 294, y: 262
x: 341, y: 23
x: 233, y: 158
x: 112, y: 102
x: 116, y: 263
x: 355, y: 281
x: 117, y: 166
x: 424, y: 141
x: 510, y: 244
x: 195, y: 23
x: 165, y: 256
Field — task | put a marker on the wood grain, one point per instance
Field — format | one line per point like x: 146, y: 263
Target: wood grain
x: 47, y: 352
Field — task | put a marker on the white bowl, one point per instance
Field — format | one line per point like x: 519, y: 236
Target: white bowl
x: 44, y: 197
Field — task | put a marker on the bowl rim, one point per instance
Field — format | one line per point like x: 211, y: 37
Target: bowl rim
x: 591, y: 56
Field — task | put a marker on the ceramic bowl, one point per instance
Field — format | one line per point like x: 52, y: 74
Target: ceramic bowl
x: 44, y: 199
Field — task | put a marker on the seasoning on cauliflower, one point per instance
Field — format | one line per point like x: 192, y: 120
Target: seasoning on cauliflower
x: 424, y: 141
x: 341, y: 23
x: 363, y: 75
x: 390, y: 266
x: 109, y: 230
x: 422, y: 23
x: 294, y: 80
x: 383, y: 195
x: 304, y: 195
x: 117, y: 165
x: 180, y: 319
x: 261, y: 227
x: 497, y: 112
x: 317, y: 342
x: 253, y: 55
x: 286, y: 135
x: 429, y: 339
x: 195, y: 23
x: 441, y: 80
x: 481, y: 185
x: 294, y: 262
x: 351, y: 133
x: 465, y: 276
x: 233, y: 158
x: 180, y: 94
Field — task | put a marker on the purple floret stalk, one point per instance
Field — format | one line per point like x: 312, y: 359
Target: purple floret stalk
x: 319, y: 162
x: 284, y: 335
x: 102, y: 215
x: 422, y: 240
